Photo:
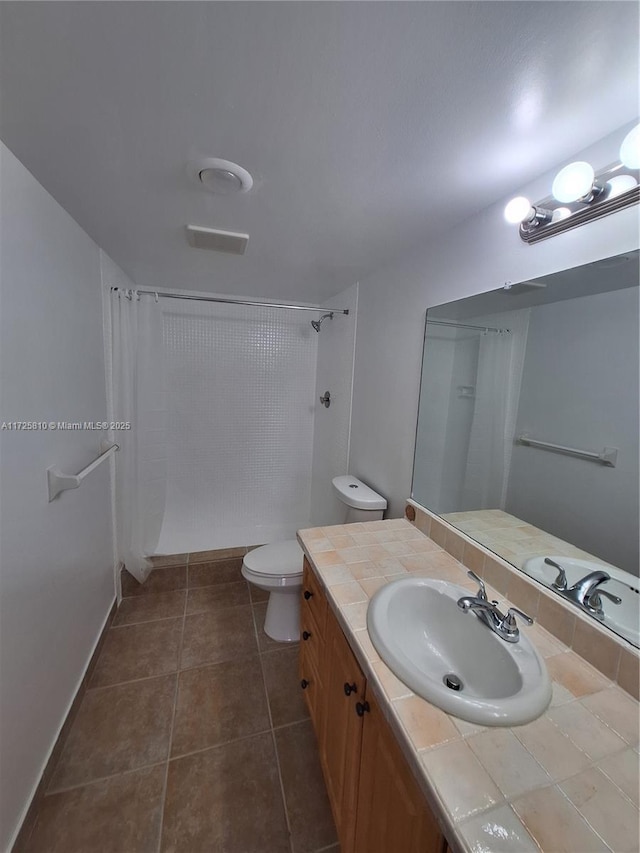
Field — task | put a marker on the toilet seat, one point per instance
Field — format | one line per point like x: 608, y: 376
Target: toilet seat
x: 280, y: 559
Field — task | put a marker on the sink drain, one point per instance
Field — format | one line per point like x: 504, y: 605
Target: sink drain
x: 452, y: 681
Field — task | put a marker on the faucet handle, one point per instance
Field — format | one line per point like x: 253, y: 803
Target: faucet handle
x: 560, y: 583
x: 482, y: 592
x: 510, y: 618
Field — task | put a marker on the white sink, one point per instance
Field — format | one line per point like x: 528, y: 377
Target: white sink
x: 423, y: 636
x: 623, y: 618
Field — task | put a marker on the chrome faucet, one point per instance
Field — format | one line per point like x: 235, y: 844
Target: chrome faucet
x: 587, y: 591
x: 504, y: 625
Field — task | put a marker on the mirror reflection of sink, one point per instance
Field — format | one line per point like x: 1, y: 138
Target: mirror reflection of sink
x: 423, y: 636
x: 623, y: 618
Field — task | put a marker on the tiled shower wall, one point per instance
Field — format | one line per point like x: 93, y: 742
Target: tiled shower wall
x: 240, y: 416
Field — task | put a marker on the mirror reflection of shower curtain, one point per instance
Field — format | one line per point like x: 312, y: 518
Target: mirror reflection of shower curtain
x: 138, y: 399
x: 497, y: 393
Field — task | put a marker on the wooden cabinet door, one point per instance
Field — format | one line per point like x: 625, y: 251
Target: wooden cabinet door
x: 344, y: 686
x: 393, y: 816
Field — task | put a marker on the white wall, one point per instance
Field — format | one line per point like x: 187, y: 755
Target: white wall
x: 482, y: 254
x: 580, y: 388
x: 56, y: 572
x: 334, y: 373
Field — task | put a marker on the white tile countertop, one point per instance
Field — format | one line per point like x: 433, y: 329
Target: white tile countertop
x: 566, y: 782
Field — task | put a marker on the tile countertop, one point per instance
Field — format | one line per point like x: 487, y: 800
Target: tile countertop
x: 566, y: 782
x: 513, y: 539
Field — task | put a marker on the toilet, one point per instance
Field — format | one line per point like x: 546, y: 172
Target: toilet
x: 277, y: 567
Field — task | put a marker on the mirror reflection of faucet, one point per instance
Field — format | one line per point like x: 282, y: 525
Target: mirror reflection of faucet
x: 586, y: 592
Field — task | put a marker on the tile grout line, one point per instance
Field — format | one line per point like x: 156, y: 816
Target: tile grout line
x: 163, y: 796
x: 98, y: 779
x: 273, y: 736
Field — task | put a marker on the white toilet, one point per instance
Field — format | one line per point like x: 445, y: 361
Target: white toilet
x: 277, y: 567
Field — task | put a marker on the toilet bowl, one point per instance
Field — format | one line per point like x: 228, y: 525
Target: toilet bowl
x: 277, y: 567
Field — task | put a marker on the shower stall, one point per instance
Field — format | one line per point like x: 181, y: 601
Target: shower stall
x: 239, y: 426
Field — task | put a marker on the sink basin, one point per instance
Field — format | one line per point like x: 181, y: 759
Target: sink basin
x: 423, y: 636
x: 623, y: 618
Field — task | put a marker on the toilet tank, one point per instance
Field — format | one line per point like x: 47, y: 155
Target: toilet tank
x: 361, y: 502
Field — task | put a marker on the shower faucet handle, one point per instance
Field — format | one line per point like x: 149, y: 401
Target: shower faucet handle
x: 326, y: 399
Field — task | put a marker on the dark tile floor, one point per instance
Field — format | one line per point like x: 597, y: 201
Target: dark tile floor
x: 192, y: 735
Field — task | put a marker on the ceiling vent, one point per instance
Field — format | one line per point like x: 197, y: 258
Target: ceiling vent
x: 217, y: 240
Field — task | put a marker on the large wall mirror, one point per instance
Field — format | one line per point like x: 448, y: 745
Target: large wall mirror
x: 527, y: 435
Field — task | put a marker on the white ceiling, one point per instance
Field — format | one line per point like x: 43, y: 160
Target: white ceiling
x: 367, y: 126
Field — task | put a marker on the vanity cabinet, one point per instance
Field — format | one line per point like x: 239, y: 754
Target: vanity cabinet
x: 376, y: 802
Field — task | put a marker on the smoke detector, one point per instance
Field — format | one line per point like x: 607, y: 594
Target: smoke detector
x: 221, y: 177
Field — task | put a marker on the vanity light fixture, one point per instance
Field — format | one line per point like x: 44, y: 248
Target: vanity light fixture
x: 579, y: 194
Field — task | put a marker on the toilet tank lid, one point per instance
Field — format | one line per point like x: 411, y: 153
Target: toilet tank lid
x: 355, y: 493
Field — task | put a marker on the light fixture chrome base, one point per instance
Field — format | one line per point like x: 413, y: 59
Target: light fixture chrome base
x: 594, y: 206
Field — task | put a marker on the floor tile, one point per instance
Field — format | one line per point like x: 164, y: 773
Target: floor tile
x: 147, y: 608
x: 216, y: 636
x: 138, y: 651
x: 310, y: 819
x: 118, y: 814
x: 217, y: 597
x: 217, y: 571
x: 160, y: 580
x: 257, y: 594
x: 219, y: 703
x: 283, y: 686
x: 226, y: 799
x: 117, y: 729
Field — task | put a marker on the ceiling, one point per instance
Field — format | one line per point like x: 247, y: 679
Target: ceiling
x: 368, y: 126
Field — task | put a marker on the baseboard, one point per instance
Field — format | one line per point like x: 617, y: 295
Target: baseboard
x: 26, y: 825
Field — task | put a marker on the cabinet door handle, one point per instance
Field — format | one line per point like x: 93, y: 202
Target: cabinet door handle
x: 307, y: 595
x: 350, y: 688
x: 304, y: 684
x: 362, y: 708
x: 306, y: 635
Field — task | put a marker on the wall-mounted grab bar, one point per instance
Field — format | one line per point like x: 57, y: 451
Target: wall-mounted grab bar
x: 608, y: 456
x: 59, y: 482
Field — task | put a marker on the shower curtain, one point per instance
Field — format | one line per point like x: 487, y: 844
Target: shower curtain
x: 138, y: 400
x: 497, y: 394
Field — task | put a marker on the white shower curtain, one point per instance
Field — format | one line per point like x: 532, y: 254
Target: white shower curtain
x: 139, y: 400
x: 498, y: 380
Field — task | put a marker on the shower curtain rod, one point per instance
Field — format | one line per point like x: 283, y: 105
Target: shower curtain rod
x: 236, y: 301
x: 467, y: 326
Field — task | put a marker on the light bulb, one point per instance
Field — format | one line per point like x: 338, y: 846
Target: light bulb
x: 573, y: 182
x: 560, y: 213
x: 517, y: 210
x: 630, y: 149
x: 620, y: 184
